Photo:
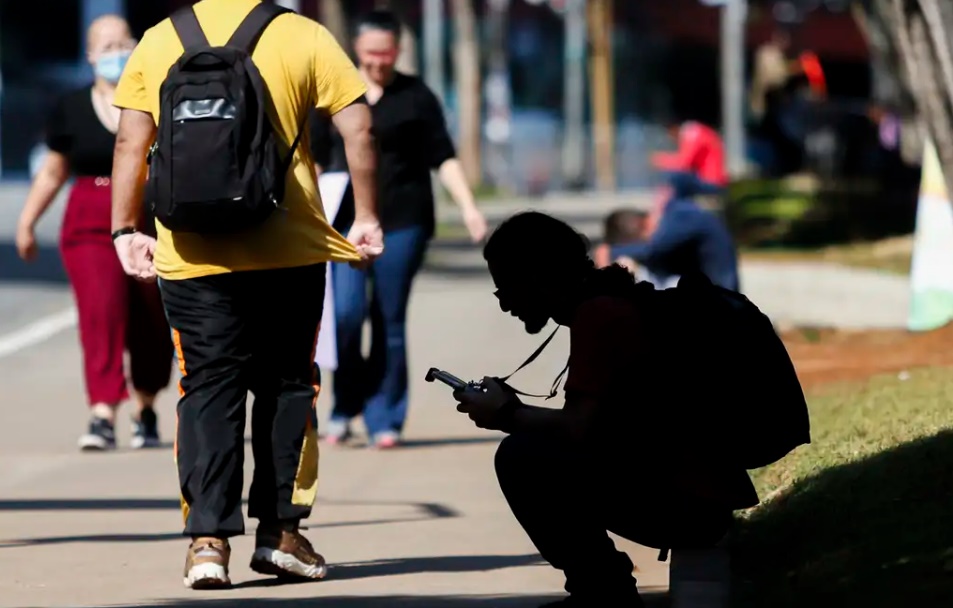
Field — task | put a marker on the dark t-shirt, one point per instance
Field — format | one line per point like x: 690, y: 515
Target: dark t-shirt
x: 616, y: 357
x: 412, y: 141
x: 74, y: 130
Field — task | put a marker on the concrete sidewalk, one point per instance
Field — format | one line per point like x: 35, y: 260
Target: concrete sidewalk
x: 425, y: 526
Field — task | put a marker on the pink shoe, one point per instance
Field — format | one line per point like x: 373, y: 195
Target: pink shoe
x: 386, y: 440
x: 338, y: 432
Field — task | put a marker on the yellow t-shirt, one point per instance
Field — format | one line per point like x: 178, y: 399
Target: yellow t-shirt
x: 303, y: 67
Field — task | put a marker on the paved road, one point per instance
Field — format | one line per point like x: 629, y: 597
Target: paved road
x: 425, y: 526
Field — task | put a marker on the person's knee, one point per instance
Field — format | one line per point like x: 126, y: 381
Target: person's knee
x: 520, y: 455
x: 348, y: 319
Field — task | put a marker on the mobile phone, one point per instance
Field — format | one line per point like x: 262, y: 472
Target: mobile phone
x: 447, y: 378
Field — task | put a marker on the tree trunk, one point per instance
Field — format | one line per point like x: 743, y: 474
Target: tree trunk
x: 601, y: 76
x: 466, y: 56
x: 407, y: 61
x: 912, y: 36
x: 335, y: 19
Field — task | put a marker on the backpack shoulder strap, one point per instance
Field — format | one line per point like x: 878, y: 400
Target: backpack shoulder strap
x: 187, y: 27
x: 251, y: 28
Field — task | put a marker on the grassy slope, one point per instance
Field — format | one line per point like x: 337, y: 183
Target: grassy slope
x: 864, y: 515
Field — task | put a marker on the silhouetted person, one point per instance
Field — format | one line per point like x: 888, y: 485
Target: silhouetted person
x: 619, y: 455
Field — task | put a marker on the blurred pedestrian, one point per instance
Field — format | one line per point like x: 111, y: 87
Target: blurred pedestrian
x: 413, y: 139
x: 687, y: 240
x: 772, y: 102
x: 116, y: 313
x: 699, y: 159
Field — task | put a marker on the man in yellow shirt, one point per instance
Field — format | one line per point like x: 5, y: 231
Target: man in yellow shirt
x: 245, y: 308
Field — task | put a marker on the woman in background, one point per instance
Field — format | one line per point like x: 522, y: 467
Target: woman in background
x: 115, y: 312
x: 413, y: 141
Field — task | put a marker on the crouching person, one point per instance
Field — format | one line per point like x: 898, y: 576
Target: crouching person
x: 617, y: 456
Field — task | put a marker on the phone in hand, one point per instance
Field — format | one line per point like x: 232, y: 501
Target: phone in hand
x: 447, y: 378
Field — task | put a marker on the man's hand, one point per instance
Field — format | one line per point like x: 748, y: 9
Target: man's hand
x: 135, y: 253
x: 483, y: 406
x: 368, y: 238
x: 476, y: 224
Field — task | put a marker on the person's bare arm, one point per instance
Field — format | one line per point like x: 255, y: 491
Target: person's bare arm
x: 454, y: 180
x: 54, y: 172
x: 136, y: 133
x: 355, y: 126
x: 572, y: 421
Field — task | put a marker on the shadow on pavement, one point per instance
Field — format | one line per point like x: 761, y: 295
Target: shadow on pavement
x: 166, y: 536
x: 424, y: 511
x: 92, y: 538
x: 90, y: 504
x: 432, y: 510
x: 652, y: 600
x: 47, y: 268
x: 409, y: 444
x: 414, y: 565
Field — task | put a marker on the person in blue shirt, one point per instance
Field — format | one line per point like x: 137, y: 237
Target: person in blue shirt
x: 688, y: 238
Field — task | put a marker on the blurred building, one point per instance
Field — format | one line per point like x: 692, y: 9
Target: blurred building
x: 666, y: 63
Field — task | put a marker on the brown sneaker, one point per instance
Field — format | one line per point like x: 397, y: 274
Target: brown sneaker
x: 286, y: 554
x: 206, y: 565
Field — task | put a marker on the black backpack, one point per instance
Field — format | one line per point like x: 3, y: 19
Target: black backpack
x: 215, y: 167
x: 753, y: 411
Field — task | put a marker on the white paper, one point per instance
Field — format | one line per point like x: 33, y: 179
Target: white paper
x: 332, y: 187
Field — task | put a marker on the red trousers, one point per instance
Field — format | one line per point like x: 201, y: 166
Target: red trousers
x: 116, y: 313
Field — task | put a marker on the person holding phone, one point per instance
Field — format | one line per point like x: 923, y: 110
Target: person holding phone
x: 566, y: 472
x: 413, y: 140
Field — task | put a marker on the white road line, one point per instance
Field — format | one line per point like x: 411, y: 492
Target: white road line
x: 36, y: 332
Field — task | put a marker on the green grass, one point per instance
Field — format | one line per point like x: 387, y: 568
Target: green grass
x: 446, y: 231
x: 890, y: 255
x: 864, y: 515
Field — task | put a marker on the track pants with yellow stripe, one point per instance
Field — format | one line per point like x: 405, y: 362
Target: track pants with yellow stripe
x: 236, y: 333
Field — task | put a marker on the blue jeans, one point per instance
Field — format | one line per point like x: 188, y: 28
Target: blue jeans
x: 687, y: 184
x: 377, y: 386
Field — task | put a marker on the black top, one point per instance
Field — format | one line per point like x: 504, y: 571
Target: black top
x: 74, y: 130
x: 412, y: 141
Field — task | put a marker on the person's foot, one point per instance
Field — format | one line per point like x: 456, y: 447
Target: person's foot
x: 100, y: 436
x: 386, y: 440
x: 626, y: 600
x: 145, y: 431
x: 206, y: 565
x: 286, y: 554
x: 338, y: 432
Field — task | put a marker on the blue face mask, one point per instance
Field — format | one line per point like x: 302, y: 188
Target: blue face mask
x: 109, y: 67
